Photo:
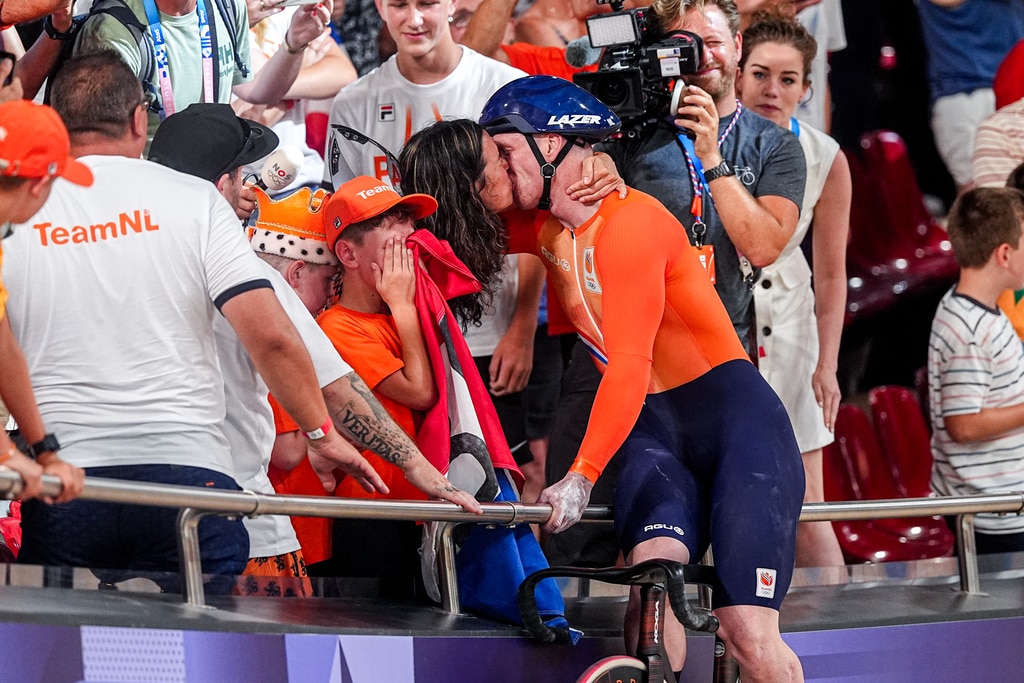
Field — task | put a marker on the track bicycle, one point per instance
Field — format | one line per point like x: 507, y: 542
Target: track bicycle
x: 656, y: 578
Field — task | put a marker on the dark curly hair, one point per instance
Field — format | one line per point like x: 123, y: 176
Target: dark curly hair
x: 445, y: 160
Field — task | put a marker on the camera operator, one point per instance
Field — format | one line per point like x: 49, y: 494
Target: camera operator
x: 754, y: 171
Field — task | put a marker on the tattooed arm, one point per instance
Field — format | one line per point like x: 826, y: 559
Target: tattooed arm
x: 362, y: 419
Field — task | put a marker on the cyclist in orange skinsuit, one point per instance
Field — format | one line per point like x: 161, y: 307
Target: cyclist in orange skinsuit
x: 708, y: 453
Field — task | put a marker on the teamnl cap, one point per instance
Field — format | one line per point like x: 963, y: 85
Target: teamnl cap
x: 362, y: 198
x: 34, y: 144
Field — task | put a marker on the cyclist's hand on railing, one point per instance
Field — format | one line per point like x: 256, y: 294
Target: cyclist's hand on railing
x: 31, y: 474
x: 569, y: 499
x: 72, y: 479
x: 426, y: 478
x: 332, y: 452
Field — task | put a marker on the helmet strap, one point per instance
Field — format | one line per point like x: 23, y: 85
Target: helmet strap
x: 547, y: 169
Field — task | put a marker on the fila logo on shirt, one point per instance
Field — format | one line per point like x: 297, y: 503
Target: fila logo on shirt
x: 765, y: 583
x: 386, y: 112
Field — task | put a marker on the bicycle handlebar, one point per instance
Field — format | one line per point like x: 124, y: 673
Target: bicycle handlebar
x: 673, y: 575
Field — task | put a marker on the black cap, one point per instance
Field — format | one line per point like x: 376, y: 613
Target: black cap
x: 208, y: 140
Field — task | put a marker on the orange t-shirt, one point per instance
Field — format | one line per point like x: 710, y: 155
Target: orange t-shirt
x: 369, y: 343
x: 314, y: 533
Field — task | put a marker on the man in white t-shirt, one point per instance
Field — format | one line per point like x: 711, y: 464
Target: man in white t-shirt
x: 117, y: 289
x: 289, y: 237
x: 431, y: 77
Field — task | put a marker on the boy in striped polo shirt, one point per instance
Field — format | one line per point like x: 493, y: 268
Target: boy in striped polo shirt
x: 976, y: 364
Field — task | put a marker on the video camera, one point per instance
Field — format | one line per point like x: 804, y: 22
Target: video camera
x: 636, y: 74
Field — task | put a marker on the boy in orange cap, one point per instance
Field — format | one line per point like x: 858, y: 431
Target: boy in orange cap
x: 375, y: 327
x: 392, y: 324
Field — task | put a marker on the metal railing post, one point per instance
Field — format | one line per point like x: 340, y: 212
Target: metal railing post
x: 189, y: 556
x: 967, y: 555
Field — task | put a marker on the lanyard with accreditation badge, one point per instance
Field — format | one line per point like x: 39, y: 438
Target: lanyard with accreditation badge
x: 705, y: 252
x: 160, y: 52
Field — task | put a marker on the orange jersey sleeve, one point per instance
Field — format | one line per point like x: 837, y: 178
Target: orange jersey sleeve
x: 661, y: 321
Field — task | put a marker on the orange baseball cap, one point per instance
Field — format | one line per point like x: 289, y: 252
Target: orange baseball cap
x: 362, y: 198
x: 34, y: 144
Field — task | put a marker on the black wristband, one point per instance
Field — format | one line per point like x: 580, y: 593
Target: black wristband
x: 720, y: 171
x: 54, y: 33
x: 49, y: 443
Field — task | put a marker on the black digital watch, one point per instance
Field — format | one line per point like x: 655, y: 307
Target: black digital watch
x: 48, y: 443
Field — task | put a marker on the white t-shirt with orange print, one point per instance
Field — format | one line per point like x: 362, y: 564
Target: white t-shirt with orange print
x: 115, y: 289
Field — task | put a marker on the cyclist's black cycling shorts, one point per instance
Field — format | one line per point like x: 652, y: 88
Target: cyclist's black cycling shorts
x: 715, y: 461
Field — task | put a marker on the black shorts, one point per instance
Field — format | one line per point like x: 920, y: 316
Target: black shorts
x: 715, y: 461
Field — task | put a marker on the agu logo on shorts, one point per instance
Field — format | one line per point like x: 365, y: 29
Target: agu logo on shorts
x: 765, y: 583
x: 665, y: 527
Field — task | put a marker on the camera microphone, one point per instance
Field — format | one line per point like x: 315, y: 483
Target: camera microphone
x: 678, y: 91
x: 280, y: 168
x: 580, y: 54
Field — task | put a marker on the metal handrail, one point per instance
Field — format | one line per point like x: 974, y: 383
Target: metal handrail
x: 198, y: 502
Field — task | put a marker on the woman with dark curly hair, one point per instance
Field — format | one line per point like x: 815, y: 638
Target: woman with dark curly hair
x: 456, y: 162
x: 453, y: 171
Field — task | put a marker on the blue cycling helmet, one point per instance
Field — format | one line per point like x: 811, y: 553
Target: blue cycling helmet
x: 546, y: 104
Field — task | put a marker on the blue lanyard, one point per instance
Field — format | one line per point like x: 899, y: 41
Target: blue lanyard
x: 794, y: 126
x: 163, y: 65
x: 698, y: 182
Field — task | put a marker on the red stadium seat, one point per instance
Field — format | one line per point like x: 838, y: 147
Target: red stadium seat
x: 896, y: 246
x: 854, y: 469
x: 903, y: 435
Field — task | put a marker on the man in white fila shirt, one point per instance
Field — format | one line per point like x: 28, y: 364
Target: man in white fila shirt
x: 429, y: 77
x: 117, y: 287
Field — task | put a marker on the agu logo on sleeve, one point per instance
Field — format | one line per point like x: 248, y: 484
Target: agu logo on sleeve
x: 765, y: 583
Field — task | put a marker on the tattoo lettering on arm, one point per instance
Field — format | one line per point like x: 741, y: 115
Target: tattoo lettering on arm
x: 365, y: 421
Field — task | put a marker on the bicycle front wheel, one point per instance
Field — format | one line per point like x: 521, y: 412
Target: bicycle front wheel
x: 617, y: 669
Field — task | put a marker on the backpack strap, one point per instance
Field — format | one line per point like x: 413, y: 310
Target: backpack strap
x: 140, y: 32
x: 227, y: 15
x: 122, y: 13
